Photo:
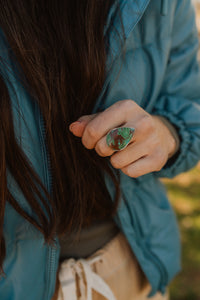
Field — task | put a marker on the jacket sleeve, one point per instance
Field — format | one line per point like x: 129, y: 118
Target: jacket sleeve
x: 179, y: 100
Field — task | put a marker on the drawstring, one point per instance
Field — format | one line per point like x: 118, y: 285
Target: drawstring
x: 164, y: 7
x: 80, y: 269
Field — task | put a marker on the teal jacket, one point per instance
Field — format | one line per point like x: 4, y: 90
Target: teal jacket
x: 156, y: 67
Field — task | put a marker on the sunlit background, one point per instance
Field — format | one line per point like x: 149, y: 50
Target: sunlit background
x: 184, y: 193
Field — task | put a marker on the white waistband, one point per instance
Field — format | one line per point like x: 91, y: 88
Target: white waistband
x: 87, y: 280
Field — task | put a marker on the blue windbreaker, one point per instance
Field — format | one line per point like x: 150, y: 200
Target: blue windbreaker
x: 156, y: 67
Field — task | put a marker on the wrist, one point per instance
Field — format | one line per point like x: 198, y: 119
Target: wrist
x: 172, y: 135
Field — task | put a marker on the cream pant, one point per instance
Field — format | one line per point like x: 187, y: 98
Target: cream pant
x: 111, y: 273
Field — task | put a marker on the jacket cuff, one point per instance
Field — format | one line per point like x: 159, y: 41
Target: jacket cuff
x: 173, y: 132
x: 174, y: 164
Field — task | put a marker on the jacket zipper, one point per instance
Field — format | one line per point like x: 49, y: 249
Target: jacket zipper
x: 51, y: 262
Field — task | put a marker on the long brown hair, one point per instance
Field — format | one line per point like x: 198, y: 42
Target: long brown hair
x: 60, y: 47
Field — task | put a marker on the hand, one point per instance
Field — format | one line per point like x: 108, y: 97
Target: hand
x: 149, y: 149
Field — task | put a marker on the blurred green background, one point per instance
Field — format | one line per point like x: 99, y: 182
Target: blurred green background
x: 184, y: 194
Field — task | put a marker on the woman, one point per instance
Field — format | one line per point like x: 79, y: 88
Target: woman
x: 72, y: 207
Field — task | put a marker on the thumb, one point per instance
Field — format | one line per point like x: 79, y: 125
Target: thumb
x: 78, y: 127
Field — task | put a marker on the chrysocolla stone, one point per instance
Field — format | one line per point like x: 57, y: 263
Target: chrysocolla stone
x: 118, y: 138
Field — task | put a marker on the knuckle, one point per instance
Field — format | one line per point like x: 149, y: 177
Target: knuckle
x: 158, y: 168
x: 92, y: 132
x: 116, y: 105
x: 85, y: 143
x: 129, y: 103
x: 128, y: 172
x: 136, y: 174
x: 87, y: 140
x: 160, y: 161
x: 127, y: 107
x: 161, y: 157
x: 125, y: 104
x: 132, y: 172
x: 146, y: 123
x: 100, y: 150
x: 115, y: 163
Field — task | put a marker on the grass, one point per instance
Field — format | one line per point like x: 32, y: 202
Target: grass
x: 184, y: 194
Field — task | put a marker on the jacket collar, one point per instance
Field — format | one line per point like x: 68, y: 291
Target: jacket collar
x: 128, y: 13
x: 130, y: 8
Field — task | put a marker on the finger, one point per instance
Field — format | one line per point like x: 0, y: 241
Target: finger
x: 113, y: 116
x: 129, y: 155
x: 88, y: 118
x: 103, y: 149
x: 143, y: 166
x: 78, y: 127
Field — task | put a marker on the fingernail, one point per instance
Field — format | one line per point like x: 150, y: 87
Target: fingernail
x: 72, y: 125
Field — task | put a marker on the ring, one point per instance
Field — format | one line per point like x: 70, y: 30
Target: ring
x: 118, y: 138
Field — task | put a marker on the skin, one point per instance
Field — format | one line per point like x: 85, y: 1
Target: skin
x: 149, y: 149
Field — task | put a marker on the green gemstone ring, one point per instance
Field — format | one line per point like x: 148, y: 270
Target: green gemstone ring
x: 118, y: 138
